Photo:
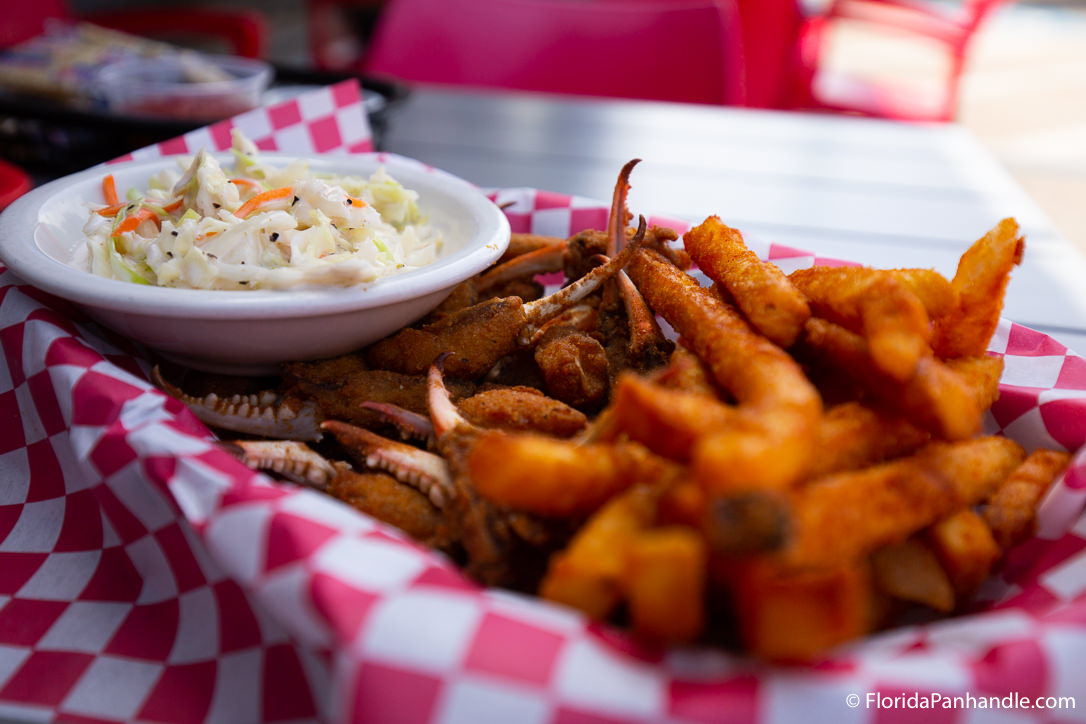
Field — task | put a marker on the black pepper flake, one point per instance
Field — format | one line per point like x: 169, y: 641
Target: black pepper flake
x: 294, y: 201
x: 212, y: 256
x: 217, y: 206
x: 169, y: 255
x: 174, y: 232
x: 274, y: 236
x: 243, y: 281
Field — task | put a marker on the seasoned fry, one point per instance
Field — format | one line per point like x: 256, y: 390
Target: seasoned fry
x: 981, y: 374
x: 875, y: 303
x: 910, y: 571
x: 854, y: 436
x: 780, y: 404
x: 796, y: 615
x: 667, y: 421
x: 555, y: 477
x: 980, y: 282
x: 588, y: 574
x: 843, y: 516
x: 1011, y: 511
x: 664, y: 581
x: 933, y: 290
x: 936, y: 398
x: 760, y: 289
x: 966, y: 549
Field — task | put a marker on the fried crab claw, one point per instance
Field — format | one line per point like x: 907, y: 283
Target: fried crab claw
x: 267, y: 413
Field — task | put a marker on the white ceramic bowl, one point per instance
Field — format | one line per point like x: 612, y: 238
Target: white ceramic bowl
x: 251, y: 332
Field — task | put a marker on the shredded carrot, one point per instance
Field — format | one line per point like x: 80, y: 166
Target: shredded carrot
x: 109, y: 190
x: 248, y: 183
x: 173, y: 205
x: 263, y: 198
x: 129, y: 223
x: 111, y: 211
x: 354, y: 201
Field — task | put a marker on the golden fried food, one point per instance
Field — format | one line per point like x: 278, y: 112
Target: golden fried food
x: 792, y: 615
x: 522, y: 409
x: 589, y: 573
x: 875, y: 303
x: 574, y: 366
x: 781, y: 407
x: 552, y: 477
x: 667, y: 421
x: 805, y: 464
x: 966, y: 549
x: 1011, y: 511
x: 980, y: 282
x: 387, y: 499
x: 853, y: 436
x: 910, y: 571
x: 760, y: 289
x: 844, y: 516
x: 935, y: 398
x: 664, y: 581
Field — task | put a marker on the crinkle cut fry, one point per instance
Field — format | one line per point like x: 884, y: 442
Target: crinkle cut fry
x: 1011, y: 512
x: 875, y: 303
x: 844, y: 516
x: 769, y: 301
x: 980, y: 282
x: 936, y: 398
x: 779, y: 407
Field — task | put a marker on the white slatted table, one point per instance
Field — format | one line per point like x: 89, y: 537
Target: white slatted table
x: 875, y: 192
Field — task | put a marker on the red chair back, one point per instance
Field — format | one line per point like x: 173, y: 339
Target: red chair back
x: 21, y: 20
x: 672, y: 50
x: 951, y: 27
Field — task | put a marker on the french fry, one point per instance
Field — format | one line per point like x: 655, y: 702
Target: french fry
x: 667, y: 421
x: 1012, y: 510
x: 844, y: 516
x: 796, y: 615
x: 910, y: 571
x: 966, y: 548
x: 551, y: 477
x: 853, y: 436
x: 981, y: 374
x: 664, y: 583
x: 980, y: 282
x: 588, y: 574
x: 933, y: 289
x: 875, y: 303
x: 760, y: 289
x: 935, y: 398
x: 780, y: 407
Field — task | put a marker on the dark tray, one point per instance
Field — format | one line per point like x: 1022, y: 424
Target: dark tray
x: 49, y: 139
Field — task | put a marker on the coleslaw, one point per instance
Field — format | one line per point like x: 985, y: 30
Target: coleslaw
x: 251, y: 225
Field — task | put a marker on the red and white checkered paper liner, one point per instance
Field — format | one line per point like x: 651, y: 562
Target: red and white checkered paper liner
x: 147, y: 576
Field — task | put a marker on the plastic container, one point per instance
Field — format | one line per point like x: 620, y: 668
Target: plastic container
x: 188, y: 86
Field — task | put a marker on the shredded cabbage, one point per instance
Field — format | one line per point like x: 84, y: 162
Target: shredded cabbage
x: 251, y: 225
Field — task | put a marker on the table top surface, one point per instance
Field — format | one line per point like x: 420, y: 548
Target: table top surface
x: 876, y: 192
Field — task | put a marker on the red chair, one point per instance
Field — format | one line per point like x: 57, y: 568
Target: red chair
x: 949, y: 28
x: 671, y: 50
x: 243, y: 32
x: 14, y: 182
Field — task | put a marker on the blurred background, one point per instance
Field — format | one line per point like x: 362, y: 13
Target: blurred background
x: 1022, y: 91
